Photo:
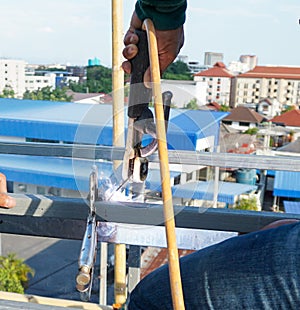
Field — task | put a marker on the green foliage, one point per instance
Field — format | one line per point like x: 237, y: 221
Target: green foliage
x: 7, y: 92
x: 46, y: 93
x: 192, y: 105
x: 288, y: 108
x: 251, y: 131
x: 177, y: 71
x: 99, y: 80
x: 247, y: 204
x: 224, y: 108
x: 14, y: 274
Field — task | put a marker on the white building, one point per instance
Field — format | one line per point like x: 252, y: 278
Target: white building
x: 211, y: 58
x: 281, y: 83
x: 35, y: 82
x: 185, y: 91
x: 12, y: 73
x: 193, y: 65
x: 269, y: 107
x: 218, y: 81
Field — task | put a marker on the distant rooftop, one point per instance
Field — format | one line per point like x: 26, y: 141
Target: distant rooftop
x: 218, y: 70
x: 275, y: 72
x: 243, y: 114
x: 290, y: 118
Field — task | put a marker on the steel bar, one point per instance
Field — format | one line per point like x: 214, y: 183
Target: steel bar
x: 66, y: 218
x: 224, y: 160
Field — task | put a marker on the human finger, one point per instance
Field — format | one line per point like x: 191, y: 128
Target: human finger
x: 7, y: 201
x: 126, y: 65
x: 130, y: 51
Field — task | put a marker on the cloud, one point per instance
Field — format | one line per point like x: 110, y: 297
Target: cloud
x: 46, y: 29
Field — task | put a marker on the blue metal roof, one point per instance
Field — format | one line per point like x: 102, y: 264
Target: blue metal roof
x: 227, y: 191
x: 86, y: 123
x: 74, y: 174
x: 46, y: 171
x: 287, y: 184
x: 65, y: 173
x: 292, y: 206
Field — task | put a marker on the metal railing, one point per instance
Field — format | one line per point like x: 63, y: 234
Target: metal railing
x: 65, y: 218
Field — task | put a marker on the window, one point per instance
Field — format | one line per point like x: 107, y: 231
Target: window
x: 244, y: 124
x: 40, y: 190
x: 22, y: 188
x: 189, y: 176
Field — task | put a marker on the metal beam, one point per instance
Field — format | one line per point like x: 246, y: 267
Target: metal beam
x: 224, y: 160
x: 66, y: 218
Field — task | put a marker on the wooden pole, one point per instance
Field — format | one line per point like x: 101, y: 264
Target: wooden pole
x: 174, y: 270
x: 118, y: 136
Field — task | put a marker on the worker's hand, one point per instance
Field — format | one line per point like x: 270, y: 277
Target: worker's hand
x: 5, y: 200
x: 279, y: 223
x: 169, y: 43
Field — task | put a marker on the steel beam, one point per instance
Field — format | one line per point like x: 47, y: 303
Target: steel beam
x: 66, y: 218
x: 224, y: 160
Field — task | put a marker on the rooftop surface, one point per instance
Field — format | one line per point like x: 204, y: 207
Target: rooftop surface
x: 93, y: 123
x: 276, y: 72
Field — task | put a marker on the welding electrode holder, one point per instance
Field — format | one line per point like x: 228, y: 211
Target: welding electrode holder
x: 142, y: 120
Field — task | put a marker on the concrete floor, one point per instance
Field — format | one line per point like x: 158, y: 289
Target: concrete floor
x: 54, y: 261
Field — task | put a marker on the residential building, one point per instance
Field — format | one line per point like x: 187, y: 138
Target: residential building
x: 290, y: 119
x: 12, y: 74
x: 269, y: 107
x: 243, y: 118
x: 39, y: 79
x: 35, y: 82
x: 281, y: 83
x: 218, y: 81
x: 89, y: 98
x: 210, y: 58
x: 79, y: 71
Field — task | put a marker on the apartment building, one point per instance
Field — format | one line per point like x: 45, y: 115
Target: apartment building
x: 12, y: 73
x: 218, y: 80
x: 281, y: 83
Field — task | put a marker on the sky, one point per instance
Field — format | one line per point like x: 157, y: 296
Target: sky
x: 73, y: 31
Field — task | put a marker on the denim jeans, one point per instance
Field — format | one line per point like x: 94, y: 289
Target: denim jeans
x: 259, y: 270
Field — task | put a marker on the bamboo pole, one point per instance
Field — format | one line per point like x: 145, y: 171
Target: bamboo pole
x: 118, y: 136
x: 174, y: 269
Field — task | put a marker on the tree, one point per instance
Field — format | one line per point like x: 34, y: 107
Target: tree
x: 247, y: 204
x: 7, y: 92
x: 14, y: 274
x: 192, y: 105
x: 99, y: 80
x: 251, y: 131
x: 46, y: 93
x: 177, y: 71
x: 224, y: 108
